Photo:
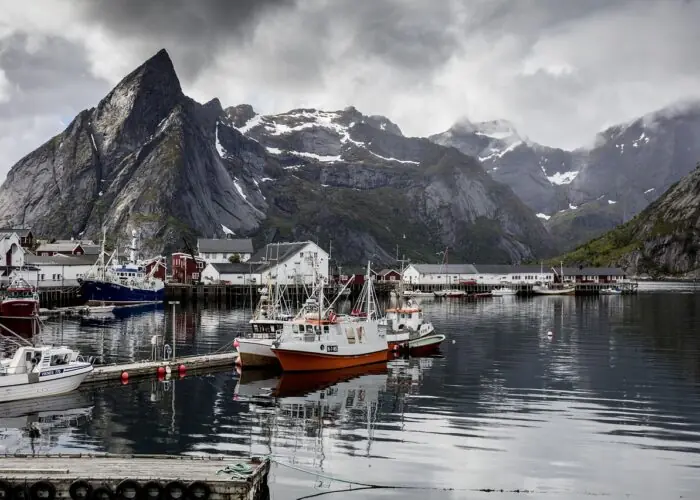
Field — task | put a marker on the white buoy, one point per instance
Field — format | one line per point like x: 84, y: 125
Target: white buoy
x: 550, y: 334
x: 168, y: 369
x: 454, y: 341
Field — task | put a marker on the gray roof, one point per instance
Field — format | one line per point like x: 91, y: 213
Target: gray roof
x: 592, y: 271
x: 240, y: 245
x: 445, y: 269
x: 508, y: 269
x: 60, y: 260
x: 58, y: 247
x: 384, y: 272
x: 274, y: 253
x: 91, y: 249
x: 22, y: 233
x: 231, y: 268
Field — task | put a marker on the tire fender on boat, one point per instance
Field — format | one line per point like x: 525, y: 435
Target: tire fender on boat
x: 198, y: 490
x: 80, y: 490
x: 42, y: 490
x: 20, y: 492
x: 128, y: 489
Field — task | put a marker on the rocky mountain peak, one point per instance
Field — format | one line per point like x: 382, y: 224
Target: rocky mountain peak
x: 240, y: 115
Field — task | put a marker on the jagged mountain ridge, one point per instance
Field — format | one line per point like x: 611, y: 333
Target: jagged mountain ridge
x: 150, y: 158
x: 583, y: 193
x: 663, y: 239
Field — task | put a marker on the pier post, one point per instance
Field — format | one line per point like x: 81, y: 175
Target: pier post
x: 174, y: 303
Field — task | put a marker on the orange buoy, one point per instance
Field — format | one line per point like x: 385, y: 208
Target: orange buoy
x: 125, y: 377
x: 182, y: 369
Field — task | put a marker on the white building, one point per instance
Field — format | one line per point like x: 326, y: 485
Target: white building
x: 11, y: 252
x: 494, y: 274
x: 222, y: 250
x: 230, y: 274
x: 439, y: 274
x: 55, y: 270
x: 284, y: 263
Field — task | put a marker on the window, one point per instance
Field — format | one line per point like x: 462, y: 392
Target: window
x: 195, y: 276
x: 200, y: 265
x: 42, y: 277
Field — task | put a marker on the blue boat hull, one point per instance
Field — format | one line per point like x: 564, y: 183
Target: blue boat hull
x: 112, y: 293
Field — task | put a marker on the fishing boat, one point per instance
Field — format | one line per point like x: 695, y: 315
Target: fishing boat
x: 34, y: 372
x: 254, y: 346
x: 504, y: 290
x: 416, y: 293
x: 19, y: 308
x: 611, y: 291
x: 322, y: 340
x: 559, y: 287
x: 112, y: 283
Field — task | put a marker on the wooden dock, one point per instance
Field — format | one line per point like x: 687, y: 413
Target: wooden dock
x: 148, y: 477
x: 140, y: 369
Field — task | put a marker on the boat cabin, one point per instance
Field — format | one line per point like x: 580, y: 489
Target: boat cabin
x: 409, y: 317
x: 30, y: 359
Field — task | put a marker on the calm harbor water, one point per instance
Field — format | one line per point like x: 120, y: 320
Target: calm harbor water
x: 608, y: 404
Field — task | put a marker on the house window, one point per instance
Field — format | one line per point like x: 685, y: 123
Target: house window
x: 56, y: 277
x: 42, y: 277
x: 200, y: 265
x: 195, y: 276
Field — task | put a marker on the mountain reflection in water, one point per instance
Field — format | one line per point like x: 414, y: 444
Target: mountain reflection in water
x: 608, y: 404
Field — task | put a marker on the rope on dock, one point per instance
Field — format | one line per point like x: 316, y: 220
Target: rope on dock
x: 239, y: 470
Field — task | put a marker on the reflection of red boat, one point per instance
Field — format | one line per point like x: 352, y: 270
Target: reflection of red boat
x: 301, y: 383
x: 19, y: 307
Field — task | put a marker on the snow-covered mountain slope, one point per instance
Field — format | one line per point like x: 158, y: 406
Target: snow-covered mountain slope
x: 632, y: 163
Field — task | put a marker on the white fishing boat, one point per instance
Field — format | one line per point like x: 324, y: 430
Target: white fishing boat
x: 321, y: 340
x: 450, y: 292
x: 504, y: 290
x: 611, y: 291
x: 560, y: 287
x: 416, y: 293
x: 34, y: 372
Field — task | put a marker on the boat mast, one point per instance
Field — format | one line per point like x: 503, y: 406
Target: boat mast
x: 369, y: 291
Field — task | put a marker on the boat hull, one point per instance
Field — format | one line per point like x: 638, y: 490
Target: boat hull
x: 102, y: 292
x: 296, y: 361
x: 256, y: 352
x: 554, y: 291
x: 49, y: 385
x: 19, y: 308
x: 426, y: 344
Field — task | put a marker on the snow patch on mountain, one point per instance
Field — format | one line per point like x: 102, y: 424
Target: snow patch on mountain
x: 544, y: 216
x: 561, y: 178
x: 499, y: 153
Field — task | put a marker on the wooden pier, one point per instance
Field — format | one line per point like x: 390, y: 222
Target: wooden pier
x: 148, y: 477
x: 475, y: 290
x: 181, y: 365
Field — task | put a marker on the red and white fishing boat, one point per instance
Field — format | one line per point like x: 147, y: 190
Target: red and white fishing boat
x: 19, y: 308
x: 20, y: 300
x: 322, y: 340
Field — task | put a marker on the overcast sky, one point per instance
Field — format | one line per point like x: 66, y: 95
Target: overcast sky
x: 560, y: 70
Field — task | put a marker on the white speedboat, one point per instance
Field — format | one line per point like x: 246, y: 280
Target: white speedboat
x: 405, y: 325
x: 611, y: 291
x: 451, y: 292
x: 41, y: 371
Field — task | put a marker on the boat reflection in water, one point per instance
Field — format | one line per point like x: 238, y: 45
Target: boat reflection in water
x: 35, y: 426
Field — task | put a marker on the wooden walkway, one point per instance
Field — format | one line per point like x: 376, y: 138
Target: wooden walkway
x: 223, y: 478
x: 150, y: 368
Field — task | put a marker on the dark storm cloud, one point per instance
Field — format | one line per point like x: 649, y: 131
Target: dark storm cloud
x: 196, y: 27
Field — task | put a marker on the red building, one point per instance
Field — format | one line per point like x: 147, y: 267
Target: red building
x: 389, y: 275
x: 357, y: 275
x: 185, y: 269
x: 160, y: 266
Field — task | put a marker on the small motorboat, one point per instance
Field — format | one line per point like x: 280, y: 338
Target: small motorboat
x: 611, y: 291
x: 503, y: 291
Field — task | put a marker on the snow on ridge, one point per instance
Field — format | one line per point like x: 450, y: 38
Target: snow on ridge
x: 611, y: 202
x: 411, y: 162
x: 267, y: 179
x: 572, y: 206
x: 543, y: 216
x: 500, y: 154
x: 560, y: 178
x: 649, y: 190
x: 219, y: 148
x: 325, y: 159
x: 240, y: 190
x: 250, y: 124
